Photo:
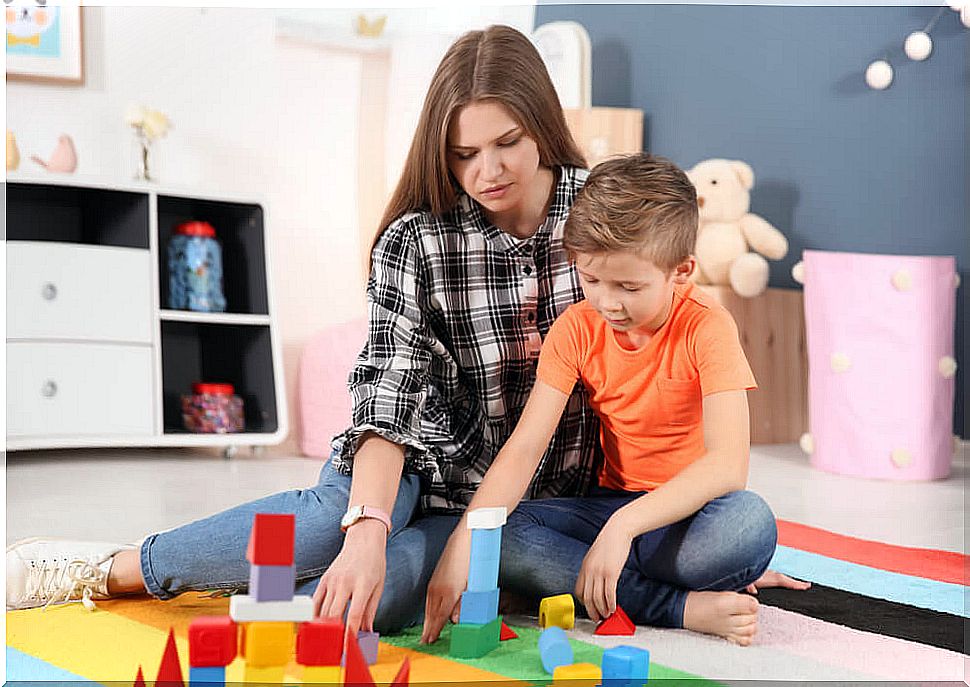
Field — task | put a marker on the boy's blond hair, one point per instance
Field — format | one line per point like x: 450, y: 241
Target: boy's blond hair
x: 638, y: 203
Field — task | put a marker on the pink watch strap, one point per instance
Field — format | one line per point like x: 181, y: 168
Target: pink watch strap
x: 374, y: 513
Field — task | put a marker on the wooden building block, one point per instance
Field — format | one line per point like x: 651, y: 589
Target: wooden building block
x: 578, y: 675
x: 320, y: 642
x: 271, y: 539
x: 557, y: 610
x: 207, y: 676
x: 474, y: 641
x: 479, y: 607
x: 272, y: 582
x: 626, y: 666
x: 212, y: 641
x: 554, y: 649
x: 327, y: 675
x: 772, y: 331
x: 268, y: 644
x: 245, y: 609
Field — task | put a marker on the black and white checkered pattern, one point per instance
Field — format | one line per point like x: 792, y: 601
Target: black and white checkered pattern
x: 457, y: 310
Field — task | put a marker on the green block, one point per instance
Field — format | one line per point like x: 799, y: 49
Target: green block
x: 470, y: 640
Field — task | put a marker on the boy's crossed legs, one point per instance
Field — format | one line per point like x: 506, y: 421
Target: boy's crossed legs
x: 683, y: 575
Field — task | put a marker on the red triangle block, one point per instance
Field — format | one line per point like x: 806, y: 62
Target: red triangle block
x: 169, y: 670
x: 403, y: 677
x: 356, y: 671
x: 617, y: 624
x: 139, y: 679
x: 506, y: 633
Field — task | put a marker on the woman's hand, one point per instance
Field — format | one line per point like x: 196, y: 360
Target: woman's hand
x: 600, y: 572
x: 446, y: 585
x: 356, y: 576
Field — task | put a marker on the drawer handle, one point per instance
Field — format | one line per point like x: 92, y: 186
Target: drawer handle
x: 49, y: 291
x: 49, y: 390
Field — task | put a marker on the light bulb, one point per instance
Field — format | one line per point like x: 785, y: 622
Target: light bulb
x: 879, y: 75
x: 918, y: 46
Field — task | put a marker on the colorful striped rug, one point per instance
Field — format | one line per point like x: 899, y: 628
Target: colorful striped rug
x: 875, y: 612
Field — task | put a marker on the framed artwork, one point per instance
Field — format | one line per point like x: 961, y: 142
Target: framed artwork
x: 44, y: 41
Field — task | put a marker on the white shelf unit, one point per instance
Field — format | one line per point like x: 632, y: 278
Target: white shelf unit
x: 95, y: 357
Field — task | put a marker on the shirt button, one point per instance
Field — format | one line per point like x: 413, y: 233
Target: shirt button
x: 531, y: 317
x: 527, y: 269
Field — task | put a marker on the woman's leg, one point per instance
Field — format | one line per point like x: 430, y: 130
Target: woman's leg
x: 211, y: 553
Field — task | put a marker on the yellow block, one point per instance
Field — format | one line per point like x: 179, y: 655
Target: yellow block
x: 272, y: 675
x: 322, y: 674
x: 269, y: 644
x: 557, y: 610
x: 578, y: 675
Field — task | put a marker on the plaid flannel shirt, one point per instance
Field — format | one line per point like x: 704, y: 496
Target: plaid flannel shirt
x: 457, y: 312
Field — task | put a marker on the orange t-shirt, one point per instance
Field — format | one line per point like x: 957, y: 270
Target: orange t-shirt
x: 649, y: 400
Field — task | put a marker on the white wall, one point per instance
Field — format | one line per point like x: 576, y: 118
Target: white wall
x: 251, y: 114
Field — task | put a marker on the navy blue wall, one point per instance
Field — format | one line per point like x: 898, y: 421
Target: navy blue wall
x: 838, y: 166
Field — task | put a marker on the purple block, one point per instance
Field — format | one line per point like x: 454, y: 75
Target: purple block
x: 272, y: 582
x: 367, y: 641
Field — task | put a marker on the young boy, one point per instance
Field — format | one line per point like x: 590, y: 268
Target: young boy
x: 666, y: 375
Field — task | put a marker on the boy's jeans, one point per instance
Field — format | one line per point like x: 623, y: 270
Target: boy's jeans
x: 537, y: 559
x: 726, y: 545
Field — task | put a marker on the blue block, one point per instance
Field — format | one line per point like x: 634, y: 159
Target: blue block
x: 272, y: 582
x: 209, y: 676
x: 625, y: 666
x: 485, y: 553
x: 554, y: 649
x: 479, y: 607
x: 367, y: 641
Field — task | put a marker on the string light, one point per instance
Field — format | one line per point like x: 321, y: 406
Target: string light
x: 918, y: 46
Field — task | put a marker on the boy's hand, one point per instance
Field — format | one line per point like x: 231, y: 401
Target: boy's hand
x: 446, y: 585
x: 356, y: 576
x: 600, y: 572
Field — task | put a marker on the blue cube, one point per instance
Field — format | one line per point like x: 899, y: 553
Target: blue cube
x: 208, y: 676
x: 625, y: 666
x: 479, y: 607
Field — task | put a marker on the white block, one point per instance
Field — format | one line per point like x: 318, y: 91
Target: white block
x: 487, y: 518
x: 244, y: 608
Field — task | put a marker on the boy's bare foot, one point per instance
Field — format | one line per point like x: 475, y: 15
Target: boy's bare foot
x: 729, y: 615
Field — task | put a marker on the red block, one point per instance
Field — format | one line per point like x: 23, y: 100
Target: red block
x: 169, y: 670
x: 356, y: 671
x: 506, y: 632
x: 271, y: 539
x: 212, y: 641
x: 139, y: 679
x: 320, y: 642
x: 403, y: 677
x: 617, y: 624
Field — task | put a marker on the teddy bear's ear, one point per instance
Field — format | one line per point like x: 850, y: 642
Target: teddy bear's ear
x: 744, y: 172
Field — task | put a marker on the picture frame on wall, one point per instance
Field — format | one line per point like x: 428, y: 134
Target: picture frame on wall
x: 44, y: 41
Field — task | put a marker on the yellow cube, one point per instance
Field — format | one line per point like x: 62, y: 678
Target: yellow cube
x: 263, y: 676
x: 578, y: 675
x: 269, y: 644
x: 322, y: 675
x: 557, y: 610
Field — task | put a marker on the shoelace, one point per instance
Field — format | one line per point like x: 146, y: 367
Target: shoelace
x: 59, y: 582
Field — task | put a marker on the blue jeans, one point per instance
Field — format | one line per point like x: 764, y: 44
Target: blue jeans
x: 210, y: 554
x: 724, y: 546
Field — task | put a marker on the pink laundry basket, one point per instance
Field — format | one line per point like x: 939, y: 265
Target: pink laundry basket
x: 880, y: 332
x: 325, y: 404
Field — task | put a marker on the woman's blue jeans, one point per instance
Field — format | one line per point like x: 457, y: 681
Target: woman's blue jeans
x: 542, y: 550
x: 726, y: 545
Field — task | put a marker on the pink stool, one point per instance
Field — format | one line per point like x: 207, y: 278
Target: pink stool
x: 880, y: 331
x: 325, y: 404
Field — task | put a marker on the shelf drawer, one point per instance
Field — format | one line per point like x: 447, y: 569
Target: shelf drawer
x: 68, y: 389
x: 72, y: 291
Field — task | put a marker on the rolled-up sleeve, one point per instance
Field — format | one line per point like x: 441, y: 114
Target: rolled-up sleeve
x: 388, y: 384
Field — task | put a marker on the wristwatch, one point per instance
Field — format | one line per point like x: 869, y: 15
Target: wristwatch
x: 355, y: 514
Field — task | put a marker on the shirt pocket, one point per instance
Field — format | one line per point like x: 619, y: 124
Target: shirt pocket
x: 680, y: 401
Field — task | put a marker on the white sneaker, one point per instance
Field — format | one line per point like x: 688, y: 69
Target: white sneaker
x: 41, y: 572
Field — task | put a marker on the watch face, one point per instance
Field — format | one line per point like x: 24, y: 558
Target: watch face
x: 351, y: 516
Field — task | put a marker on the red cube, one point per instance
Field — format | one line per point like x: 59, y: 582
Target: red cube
x: 212, y: 641
x: 320, y: 642
x: 271, y: 539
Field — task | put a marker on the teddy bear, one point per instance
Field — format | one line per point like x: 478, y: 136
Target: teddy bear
x: 732, y: 243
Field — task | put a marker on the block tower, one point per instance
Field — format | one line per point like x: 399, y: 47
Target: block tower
x: 479, y: 625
